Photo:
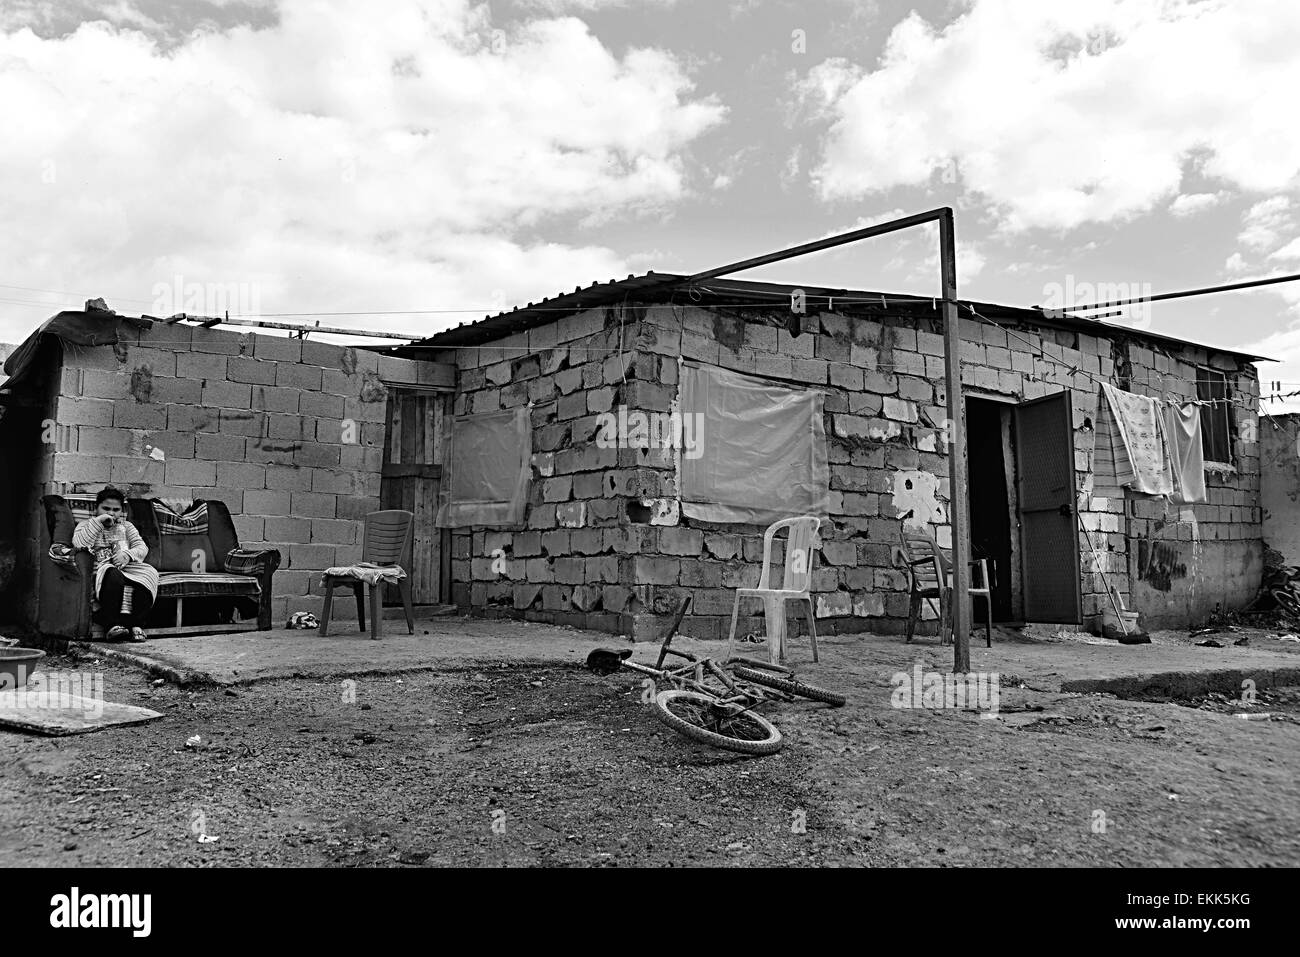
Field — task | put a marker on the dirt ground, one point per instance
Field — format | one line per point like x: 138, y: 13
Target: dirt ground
x: 520, y: 765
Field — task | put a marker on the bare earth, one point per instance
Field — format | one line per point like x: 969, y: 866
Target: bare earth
x: 573, y: 769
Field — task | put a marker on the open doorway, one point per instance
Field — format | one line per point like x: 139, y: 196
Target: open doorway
x: 992, y: 505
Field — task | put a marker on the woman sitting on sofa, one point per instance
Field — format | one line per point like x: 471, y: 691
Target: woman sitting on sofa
x: 125, y: 585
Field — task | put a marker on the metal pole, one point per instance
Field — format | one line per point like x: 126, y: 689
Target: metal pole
x: 959, y: 506
x: 818, y: 245
x: 263, y: 324
x: 958, y: 503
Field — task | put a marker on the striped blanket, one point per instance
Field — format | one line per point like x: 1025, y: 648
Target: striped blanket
x: 179, y: 518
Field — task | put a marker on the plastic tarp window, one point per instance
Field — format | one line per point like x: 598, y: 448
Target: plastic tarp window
x: 761, y: 452
x: 487, y: 461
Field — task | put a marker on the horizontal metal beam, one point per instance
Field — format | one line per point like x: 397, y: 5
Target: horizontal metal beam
x: 263, y: 324
x: 818, y: 245
x: 1185, y: 294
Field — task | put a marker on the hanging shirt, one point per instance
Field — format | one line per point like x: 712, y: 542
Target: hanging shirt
x: 1183, y: 426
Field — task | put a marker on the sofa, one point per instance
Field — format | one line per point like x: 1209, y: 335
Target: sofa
x: 206, y: 581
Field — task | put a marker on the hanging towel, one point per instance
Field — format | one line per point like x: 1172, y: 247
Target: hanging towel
x: 1183, y: 426
x: 1131, y: 442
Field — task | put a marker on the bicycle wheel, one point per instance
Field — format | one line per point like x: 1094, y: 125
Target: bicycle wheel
x: 702, y: 719
x: 791, y: 686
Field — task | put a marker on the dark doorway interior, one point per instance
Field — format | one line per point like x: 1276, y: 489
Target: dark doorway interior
x: 990, y: 509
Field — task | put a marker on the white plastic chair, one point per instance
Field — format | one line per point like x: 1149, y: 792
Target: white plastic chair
x: 801, y: 550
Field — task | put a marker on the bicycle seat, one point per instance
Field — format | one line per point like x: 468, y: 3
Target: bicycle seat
x: 606, y: 661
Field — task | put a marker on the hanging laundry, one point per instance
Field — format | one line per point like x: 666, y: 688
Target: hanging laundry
x: 1131, y: 442
x: 1183, y: 428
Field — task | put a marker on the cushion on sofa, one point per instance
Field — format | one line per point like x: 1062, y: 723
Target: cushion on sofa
x: 207, y: 585
x: 187, y: 553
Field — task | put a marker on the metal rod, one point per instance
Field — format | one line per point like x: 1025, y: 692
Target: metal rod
x: 817, y: 245
x: 959, y: 507
x: 262, y: 324
x: 1186, y: 294
x: 958, y: 503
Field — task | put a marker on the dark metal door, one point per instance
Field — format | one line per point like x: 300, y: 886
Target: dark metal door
x: 1049, y: 537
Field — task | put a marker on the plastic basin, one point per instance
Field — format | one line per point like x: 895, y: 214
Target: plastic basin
x: 17, y: 666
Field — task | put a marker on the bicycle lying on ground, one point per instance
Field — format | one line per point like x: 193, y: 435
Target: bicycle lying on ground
x: 714, y: 704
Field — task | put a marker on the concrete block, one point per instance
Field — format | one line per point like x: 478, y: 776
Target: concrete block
x: 283, y: 530
x: 317, y: 455
x: 240, y: 422
x: 295, y: 375
x: 313, y: 505
x: 321, y: 404
x: 128, y: 414
x: 336, y: 382
x: 220, y: 342
x: 215, y: 446
x: 326, y: 531
x: 101, y: 384
x: 227, y: 395
x: 254, y: 371
x: 277, y: 348
x: 312, y: 557
x: 176, y: 392
x: 273, y: 399
x: 201, y: 365
x: 81, y: 411
x: 191, y: 472
x: 133, y: 470
x: 267, y: 502
x: 243, y: 475
x: 393, y: 369
x: 167, y: 336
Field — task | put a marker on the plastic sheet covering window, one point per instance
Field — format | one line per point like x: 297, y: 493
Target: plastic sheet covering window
x: 761, y: 449
x: 487, y: 465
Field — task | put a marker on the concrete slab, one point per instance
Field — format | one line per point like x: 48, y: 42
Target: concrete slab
x: 39, y: 712
x: 438, y: 644
x: 1063, y: 661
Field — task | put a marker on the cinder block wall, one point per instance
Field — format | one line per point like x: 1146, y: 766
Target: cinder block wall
x: 288, y: 433
x: 1184, y: 563
x: 573, y: 562
x: 598, y: 513
x: 1279, y: 440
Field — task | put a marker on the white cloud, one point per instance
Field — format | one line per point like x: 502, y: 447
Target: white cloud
x: 587, y: 6
x: 338, y: 158
x: 1262, y: 223
x: 1061, y: 114
x: 1189, y: 204
x: 1291, y: 251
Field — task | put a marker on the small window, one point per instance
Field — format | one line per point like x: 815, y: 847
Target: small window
x: 1216, y: 419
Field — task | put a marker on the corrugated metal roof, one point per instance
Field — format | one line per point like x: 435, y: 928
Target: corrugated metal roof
x: 654, y: 287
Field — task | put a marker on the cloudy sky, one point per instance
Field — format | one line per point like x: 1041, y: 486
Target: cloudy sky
x: 311, y: 157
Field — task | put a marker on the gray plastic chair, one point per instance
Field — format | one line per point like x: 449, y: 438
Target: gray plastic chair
x: 387, y: 542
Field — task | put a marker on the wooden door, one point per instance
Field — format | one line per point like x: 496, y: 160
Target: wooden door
x: 412, y: 472
x: 1047, y: 509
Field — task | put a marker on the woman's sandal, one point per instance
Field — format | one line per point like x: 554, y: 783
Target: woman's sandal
x: 137, y: 634
x: 118, y: 633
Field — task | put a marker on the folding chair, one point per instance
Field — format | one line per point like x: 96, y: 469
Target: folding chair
x: 801, y: 548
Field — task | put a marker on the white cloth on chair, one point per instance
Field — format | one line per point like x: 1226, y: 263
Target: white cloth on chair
x: 369, y: 572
